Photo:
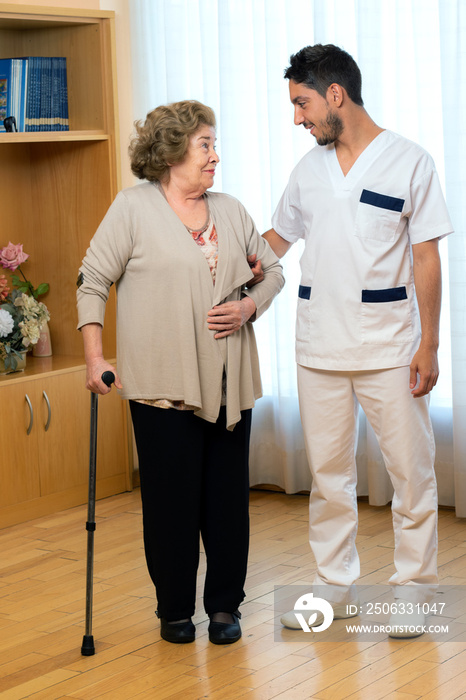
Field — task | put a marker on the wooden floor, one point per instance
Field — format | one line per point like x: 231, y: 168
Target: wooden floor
x: 42, y: 590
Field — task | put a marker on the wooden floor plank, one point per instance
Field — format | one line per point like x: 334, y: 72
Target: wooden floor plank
x: 45, y: 681
x: 78, y: 683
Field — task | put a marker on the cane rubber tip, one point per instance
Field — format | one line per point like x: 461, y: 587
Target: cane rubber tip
x: 88, y: 648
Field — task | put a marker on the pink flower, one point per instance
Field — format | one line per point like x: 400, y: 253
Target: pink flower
x: 4, y: 289
x: 12, y: 256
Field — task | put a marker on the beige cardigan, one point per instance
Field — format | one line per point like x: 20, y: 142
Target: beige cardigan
x: 164, y: 291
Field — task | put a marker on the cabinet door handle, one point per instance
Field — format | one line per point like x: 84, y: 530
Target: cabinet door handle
x: 31, y: 414
x: 49, y: 417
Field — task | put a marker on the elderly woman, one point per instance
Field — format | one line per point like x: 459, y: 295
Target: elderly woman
x: 187, y: 358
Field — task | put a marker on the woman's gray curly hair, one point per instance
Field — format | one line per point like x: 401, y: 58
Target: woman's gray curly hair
x: 163, y: 138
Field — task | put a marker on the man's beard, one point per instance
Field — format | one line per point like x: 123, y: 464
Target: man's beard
x: 331, y: 129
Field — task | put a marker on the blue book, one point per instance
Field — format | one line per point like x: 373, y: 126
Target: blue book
x: 6, y: 78
x: 37, y: 85
x: 24, y: 87
x: 49, y: 87
x: 45, y: 95
x: 19, y: 90
x: 29, y: 95
x: 56, y: 98
x: 36, y: 94
x: 15, y: 102
x: 33, y: 95
x: 64, y: 119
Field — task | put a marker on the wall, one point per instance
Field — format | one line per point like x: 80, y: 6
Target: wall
x: 123, y: 59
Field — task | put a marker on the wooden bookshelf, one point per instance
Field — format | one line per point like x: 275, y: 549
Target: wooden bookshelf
x: 56, y: 188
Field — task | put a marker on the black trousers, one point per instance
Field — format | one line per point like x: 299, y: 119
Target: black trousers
x: 194, y: 482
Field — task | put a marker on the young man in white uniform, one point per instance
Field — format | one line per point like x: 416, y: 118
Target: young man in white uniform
x: 370, y: 208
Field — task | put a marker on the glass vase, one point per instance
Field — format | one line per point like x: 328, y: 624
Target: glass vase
x: 20, y: 364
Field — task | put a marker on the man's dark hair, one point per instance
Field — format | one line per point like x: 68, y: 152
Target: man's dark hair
x: 321, y: 65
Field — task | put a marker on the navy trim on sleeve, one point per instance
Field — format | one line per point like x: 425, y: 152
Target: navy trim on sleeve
x: 304, y: 292
x: 378, y: 296
x: 383, y: 201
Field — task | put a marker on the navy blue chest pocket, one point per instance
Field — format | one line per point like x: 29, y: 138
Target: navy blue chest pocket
x: 378, y: 216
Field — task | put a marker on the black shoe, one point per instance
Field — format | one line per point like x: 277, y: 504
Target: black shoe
x: 224, y: 632
x: 177, y: 632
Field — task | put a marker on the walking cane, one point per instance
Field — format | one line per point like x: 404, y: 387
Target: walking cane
x: 88, y: 648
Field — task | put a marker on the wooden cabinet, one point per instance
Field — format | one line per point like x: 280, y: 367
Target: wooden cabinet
x: 55, y: 189
x: 20, y: 472
x: 44, y: 453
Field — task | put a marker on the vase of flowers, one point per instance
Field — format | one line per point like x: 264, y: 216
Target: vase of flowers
x: 21, y: 314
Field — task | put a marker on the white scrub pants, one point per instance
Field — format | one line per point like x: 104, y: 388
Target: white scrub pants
x: 329, y: 403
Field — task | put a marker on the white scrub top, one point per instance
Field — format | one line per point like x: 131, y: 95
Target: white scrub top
x: 357, y: 306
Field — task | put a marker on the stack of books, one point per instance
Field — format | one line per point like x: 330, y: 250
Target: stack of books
x: 34, y: 91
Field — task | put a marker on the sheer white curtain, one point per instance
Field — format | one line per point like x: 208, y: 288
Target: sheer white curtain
x: 452, y: 29
x: 231, y: 55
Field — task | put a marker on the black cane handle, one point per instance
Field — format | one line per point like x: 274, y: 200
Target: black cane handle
x: 108, y: 378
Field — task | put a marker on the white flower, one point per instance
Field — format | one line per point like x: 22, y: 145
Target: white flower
x: 32, y: 309
x: 6, y: 323
x: 30, y: 330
